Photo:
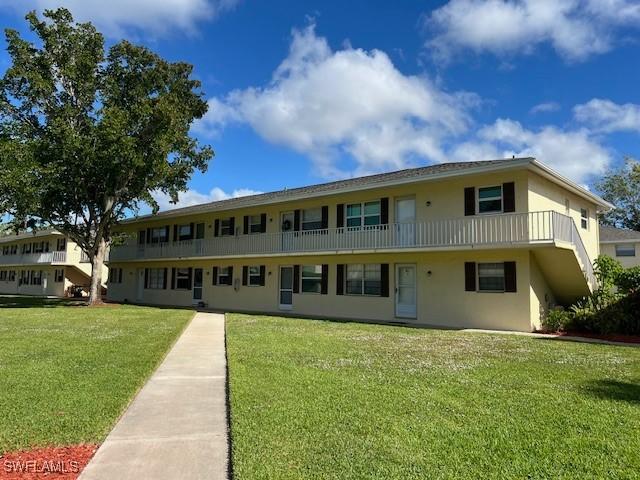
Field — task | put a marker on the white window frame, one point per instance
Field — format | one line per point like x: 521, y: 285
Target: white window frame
x: 584, y: 218
x: 188, y: 236
x: 60, y: 278
x: 306, y: 276
x: 225, y: 225
x: 182, y: 273
x: 155, y: 280
x: 316, y: 218
x: 255, y: 224
x: 36, y: 277
x: 364, y: 268
x: 479, y: 276
x: 631, y: 247
x: 223, y: 272
x: 253, y: 276
x: 363, y: 215
x: 489, y: 199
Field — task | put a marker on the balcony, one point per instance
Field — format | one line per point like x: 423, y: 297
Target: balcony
x: 34, y: 258
x: 507, y: 230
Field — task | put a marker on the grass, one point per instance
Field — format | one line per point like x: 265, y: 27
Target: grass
x: 321, y: 400
x: 67, y: 372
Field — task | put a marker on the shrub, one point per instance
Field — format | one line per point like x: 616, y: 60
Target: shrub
x: 556, y: 320
x: 628, y: 281
x: 607, y: 271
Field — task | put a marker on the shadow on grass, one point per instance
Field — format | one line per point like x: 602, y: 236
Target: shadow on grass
x: 16, y: 301
x: 614, y: 390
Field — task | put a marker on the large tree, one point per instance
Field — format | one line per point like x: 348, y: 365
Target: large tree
x: 87, y: 135
x: 622, y: 188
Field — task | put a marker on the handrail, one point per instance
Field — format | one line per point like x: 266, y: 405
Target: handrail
x: 33, y: 258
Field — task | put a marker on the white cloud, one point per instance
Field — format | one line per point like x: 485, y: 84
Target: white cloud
x: 193, y: 197
x: 606, y: 116
x: 576, y: 29
x: 545, y: 107
x: 571, y: 152
x: 324, y: 103
x: 117, y: 17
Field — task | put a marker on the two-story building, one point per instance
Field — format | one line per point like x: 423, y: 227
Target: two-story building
x: 621, y: 244
x: 488, y: 244
x: 45, y: 262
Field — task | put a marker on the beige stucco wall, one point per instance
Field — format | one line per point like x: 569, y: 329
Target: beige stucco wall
x: 542, y: 297
x: 442, y: 299
x: 627, y: 262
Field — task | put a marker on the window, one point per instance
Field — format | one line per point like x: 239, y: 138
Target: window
x: 39, y: 247
x: 155, y: 278
x: 364, y: 280
x: 159, y: 235
x: 183, y: 279
x: 312, y: 279
x: 255, y: 224
x: 255, y: 277
x: 584, y: 218
x: 490, y: 199
x: 5, y: 250
x: 312, y: 219
x: 26, y: 248
x: 184, y: 232
x: 491, y: 277
x: 3, y: 275
x: 115, y: 275
x: 58, y: 275
x: 226, y: 226
x: 24, y: 277
x: 224, y: 275
x: 61, y: 244
x: 12, y: 276
x: 626, y: 250
x: 36, y: 277
x: 363, y: 214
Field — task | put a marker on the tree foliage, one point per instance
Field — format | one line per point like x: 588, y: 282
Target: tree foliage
x: 622, y: 188
x: 87, y: 135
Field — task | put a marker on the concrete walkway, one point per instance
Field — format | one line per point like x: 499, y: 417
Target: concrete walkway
x: 176, y: 427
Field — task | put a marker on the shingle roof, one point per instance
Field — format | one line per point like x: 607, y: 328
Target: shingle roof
x: 335, y: 187
x: 12, y: 237
x: 613, y: 234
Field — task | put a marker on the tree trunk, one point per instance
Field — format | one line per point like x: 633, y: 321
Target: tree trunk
x: 97, y: 262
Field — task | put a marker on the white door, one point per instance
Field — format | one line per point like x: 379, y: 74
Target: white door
x: 140, y: 290
x: 406, y: 221
x: 406, y: 291
x: 197, y: 285
x: 286, y: 288
x: 287, y: 228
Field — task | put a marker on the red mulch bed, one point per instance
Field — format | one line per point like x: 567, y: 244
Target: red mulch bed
x: 611, y: 338
x: 58, y: 463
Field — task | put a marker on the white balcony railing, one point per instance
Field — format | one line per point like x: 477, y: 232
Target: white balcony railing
x: 487, y: 230
x: 33, y: 258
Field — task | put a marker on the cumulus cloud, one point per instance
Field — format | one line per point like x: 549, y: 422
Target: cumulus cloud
x: 576, y: 29
x: 118, y: 17
x: 545, y: 107
x: 193, y: 197
x: 326, y: 103
x: 606, y: 116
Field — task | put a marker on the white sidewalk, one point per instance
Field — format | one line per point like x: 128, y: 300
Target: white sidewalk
x: 176, y: 427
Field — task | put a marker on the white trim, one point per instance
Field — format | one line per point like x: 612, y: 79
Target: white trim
x: 493, y: 212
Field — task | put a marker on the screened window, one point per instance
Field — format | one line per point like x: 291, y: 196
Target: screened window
x: 159, y: 235
x: 312, y: 219
x: 61, y: 244
x: 115, y: 275
x: 58, y: 275
x: 3, y: 275
x: 311, y: 279
x: 626, y: 250
x: 224, y: 276
x: 490, y: 199
x: 12, y: 275
x: 156, y: 279
x: 255, y: 224
x: 584, y: 218
x: 226, y: 226
x: 183, y: 280
x: 364, y: 280
x: 36, y: 277
x: 255, y: 279
x: 26, y: 248
x: 491, y: 277
x: 363, y: 214
x: 184, y: 232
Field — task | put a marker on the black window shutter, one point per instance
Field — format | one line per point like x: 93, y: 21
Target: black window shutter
x: 508, y: 197
x: 262, y: 274
x: 167, y: 229
x: 340, y: 279
x: 148, y: 235
x: 119, y: 275
x: 230, y: 277
x: 325, y: 216
x: 216, y: 227
x: 384, y: 210
x: 215, y: 275
x: 296, y: 279
x: 469, y: 202
x: 173, y: 279
x: 232, y: 223
x: 146, y: 278
x: 191, y: 230
x: 296, y: 220
x: 510, y: 277
x: 246, y: 225
x: 190, y: 277
x: 340, y: 215
x: 263, y: 223
x: 384, y: 280
x: 470, y: 276
x: 164, y: 278
x: 324, y: 286
x: 245, y: 275
x: 175, y: 233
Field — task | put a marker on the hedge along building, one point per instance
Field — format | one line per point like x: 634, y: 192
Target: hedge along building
x: 489, y: 244
x: 43, y: 263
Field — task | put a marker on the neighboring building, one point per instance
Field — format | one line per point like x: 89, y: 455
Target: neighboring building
x: 43, y: 263
x: 491, y: 244
x: 621, y: 244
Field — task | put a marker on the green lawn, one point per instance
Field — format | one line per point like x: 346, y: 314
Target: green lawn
x: 314, y: 399
x: 67, y: 372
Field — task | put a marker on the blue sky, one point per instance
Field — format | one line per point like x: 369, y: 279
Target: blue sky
x: 305, y: 92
